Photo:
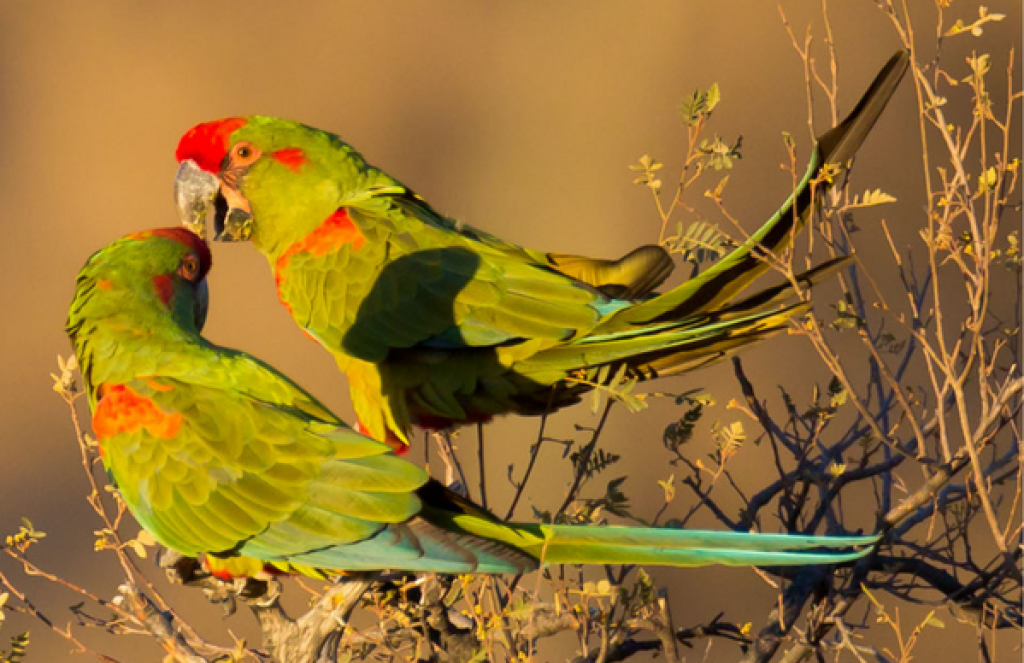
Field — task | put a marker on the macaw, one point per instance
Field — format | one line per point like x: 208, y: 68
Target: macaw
x: 437, y: 323
x: 217, y: 454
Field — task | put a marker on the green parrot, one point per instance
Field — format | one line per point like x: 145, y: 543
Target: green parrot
x: 437, y: 323
x: 219, y: 455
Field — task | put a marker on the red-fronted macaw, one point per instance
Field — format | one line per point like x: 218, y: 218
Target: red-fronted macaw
x: 218, y: 454
x: 437, y: 323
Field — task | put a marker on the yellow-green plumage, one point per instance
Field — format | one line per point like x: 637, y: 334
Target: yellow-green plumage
x: 218, y: 454
x: 438, y: 323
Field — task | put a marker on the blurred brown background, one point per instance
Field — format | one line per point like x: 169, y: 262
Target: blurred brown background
x: 520, y: 118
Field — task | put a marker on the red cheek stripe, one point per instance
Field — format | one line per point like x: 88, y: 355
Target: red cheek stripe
x: 164, y: 288
x: 292, y: 157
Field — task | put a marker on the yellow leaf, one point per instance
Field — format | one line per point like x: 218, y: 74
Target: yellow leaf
x: 836, y: 469
x: 872, y: 198
x: 668, y: 485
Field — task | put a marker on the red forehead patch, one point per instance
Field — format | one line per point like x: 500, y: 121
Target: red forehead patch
x: 207, y: 143
x: 186, y: 237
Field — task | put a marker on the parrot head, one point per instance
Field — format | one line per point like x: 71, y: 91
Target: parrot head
x: 266, y: 180
x: 163, y: 270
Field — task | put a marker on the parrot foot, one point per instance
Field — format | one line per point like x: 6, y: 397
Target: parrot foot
x: 259, y: 593
x: 192, y: 572
x: 181, y: 569
x: 454, y: 478
x: 451, y: 632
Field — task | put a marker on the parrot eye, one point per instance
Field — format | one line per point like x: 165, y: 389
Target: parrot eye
x: 244, y: 154
x: 189, y: 268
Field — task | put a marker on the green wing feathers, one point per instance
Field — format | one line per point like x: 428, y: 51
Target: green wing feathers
x: 674, y: 347
x: 519, y: 379
x: 218, y: 455
x: 509, y: 323
x: 253, y: 477
x: 253, y: 484
x: 440, y: 323
x: 632, y: 276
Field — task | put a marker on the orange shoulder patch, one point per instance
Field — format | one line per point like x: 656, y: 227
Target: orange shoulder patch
x: 335, y: 232
x: 122, y: 410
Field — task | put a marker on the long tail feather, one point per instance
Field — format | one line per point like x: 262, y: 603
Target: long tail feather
x: 582, y: 544
x: 737, y: 325
x: 564, y: 544
x: 782, y: 292
x: 737, y: 270
x: 662, y: 349
x: 585, y: 544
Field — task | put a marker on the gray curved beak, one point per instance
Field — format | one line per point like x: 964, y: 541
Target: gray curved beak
x: 194, y: 191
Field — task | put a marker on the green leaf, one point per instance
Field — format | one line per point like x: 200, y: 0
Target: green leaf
x: 846, y: 317
x: 720, y: 154
x: 692, y: 108
x: 698, y: 106
x: 713, y: 98
x: 701, y: 242
x: 729, y: 437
